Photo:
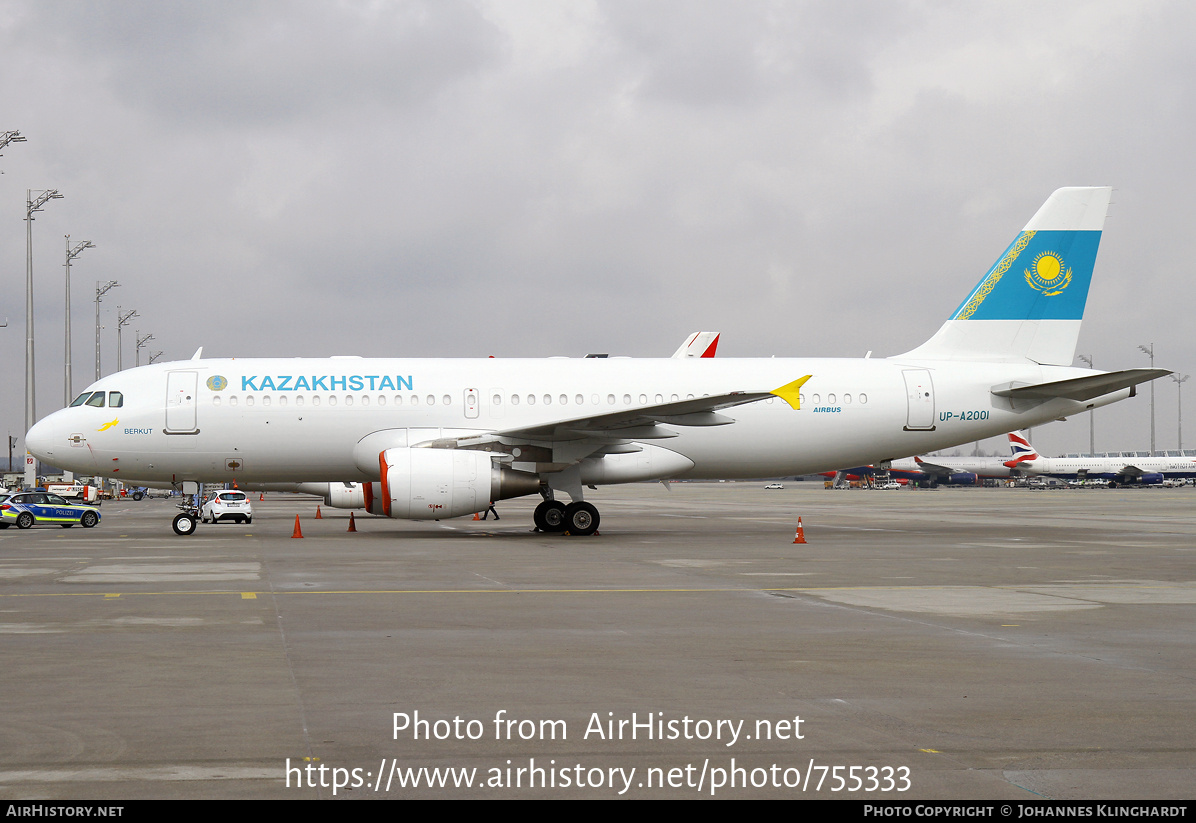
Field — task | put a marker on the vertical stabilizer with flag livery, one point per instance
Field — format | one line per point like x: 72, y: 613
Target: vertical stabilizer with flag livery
x: 1020, y: 449
x: 1029, y: 305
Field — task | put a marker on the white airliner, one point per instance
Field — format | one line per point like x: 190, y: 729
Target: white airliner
x: 959, y: 471
x: 432, y: 439
x: 1119, y: 470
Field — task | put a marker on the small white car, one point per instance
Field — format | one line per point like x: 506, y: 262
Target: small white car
x: 774, y: 486
x: 227, y: 505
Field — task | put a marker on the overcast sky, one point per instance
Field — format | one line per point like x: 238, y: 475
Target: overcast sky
x: 545, y: 178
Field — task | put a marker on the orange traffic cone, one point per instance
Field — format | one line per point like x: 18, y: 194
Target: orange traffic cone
x: 318, y: 515
x: 298, y: 532
x: 800, y: 536
x: 477, y: 515
x: 261, y: 496
x: 352, y: 526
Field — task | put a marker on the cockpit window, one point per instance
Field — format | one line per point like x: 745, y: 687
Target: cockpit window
x: 81, y: 399
x: 115, y: 400
x: 96, y: 399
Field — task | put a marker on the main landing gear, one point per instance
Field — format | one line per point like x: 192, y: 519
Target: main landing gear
x: 579, y: 518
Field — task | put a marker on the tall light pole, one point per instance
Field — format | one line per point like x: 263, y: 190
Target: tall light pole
x: 1149, y: 352
x: 141, y: 341
x: 121, y: 321
x: 155, y: 356
x: 32, y: 206
x: 1087, y: 358
x: 71, y: 253
x: 100, y: 291
x: 7, y: 137
x: 1179, y: 397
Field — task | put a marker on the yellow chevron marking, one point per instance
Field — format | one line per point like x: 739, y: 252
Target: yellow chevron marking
x: 791, y: 392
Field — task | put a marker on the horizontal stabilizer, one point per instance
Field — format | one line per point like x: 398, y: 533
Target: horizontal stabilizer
x: 1080, y: 388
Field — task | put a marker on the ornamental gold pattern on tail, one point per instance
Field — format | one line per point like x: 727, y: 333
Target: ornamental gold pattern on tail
x: 991, y: 281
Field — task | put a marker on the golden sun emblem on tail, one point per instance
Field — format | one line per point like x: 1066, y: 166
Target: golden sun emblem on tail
x: 1048, y: 275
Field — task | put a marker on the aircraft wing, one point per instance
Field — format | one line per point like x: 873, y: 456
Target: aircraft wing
x: 935, y: 468
x: 1080, y: 388
x: 643, y: 423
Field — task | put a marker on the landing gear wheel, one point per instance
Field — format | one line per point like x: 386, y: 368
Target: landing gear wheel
x: 550, y: 516
x: 184, y: 524
x: 24, y: 520
x: 89, y: 519
x: 581, y: 519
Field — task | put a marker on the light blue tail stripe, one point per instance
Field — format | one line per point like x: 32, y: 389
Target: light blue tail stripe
x: 1043, y: 275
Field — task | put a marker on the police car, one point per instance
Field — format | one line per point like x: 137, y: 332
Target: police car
x: 28, y: 509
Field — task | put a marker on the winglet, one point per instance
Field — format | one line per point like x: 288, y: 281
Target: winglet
x: 790, y: 392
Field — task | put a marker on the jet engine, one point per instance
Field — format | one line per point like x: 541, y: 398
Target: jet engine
x: 432, y: 484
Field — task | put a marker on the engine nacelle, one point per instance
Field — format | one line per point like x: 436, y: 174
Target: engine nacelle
x: 345, y: 495
x: 432, y: 484
x: 1151, y: 478
x: 962, y: 479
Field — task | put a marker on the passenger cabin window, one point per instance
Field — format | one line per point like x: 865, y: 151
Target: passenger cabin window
x: 96, y: 399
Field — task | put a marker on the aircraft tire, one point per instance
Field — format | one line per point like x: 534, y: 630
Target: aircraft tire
x: 183, y: 524
x: 581, y: 519
x: 549, y: 516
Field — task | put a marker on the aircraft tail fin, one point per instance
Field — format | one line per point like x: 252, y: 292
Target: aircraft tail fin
x: 1022, y: 451
x: 1029, y: 305
x: 699, y: 344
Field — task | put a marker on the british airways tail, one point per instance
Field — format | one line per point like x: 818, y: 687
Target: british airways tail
x: 1020, y: 449
x: 1029, y: 305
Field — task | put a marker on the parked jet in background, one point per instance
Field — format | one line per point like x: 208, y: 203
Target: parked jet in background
x: 1118, y: 470
x: 432, y: 439
x: 930, y: 471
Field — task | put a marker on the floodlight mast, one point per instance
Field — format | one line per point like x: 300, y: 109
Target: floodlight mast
x: 101, y: 290
x: 32, y: 206
x: 121, y: 321
x: 1179, y: 398
x: 1087, y: 358
x: 1149, y: 352
x: 71, y: 253
x: 141, y: 341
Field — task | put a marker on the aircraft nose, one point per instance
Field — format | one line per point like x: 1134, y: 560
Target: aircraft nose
x: 40, y: 439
